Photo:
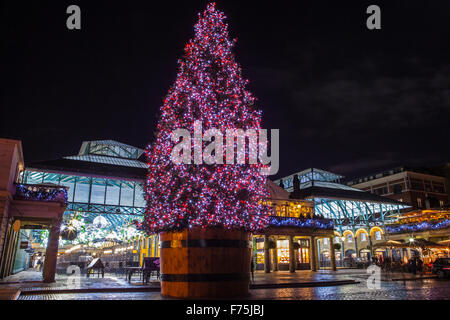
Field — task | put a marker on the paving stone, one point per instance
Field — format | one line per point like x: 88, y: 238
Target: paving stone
x: 419, y: 289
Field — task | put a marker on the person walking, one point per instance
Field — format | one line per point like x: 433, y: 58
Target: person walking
x: 39, y: 264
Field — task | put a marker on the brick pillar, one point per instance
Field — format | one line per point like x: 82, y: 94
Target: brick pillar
x: 51, y: 254
x: 4, y: 205
x: 332, y: 255
x: 8, y: 252
x: 313, y: 255
x: 266, y: 255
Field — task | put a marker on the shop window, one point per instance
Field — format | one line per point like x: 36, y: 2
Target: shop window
x: 260, y: 251
x: 260, y: 245
x: 283, y: 251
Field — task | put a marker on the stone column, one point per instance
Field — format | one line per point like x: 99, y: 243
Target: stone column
x: 313, y: 255
x: 355, y: 239
x: 275, y: 257
x: 371, y: 247
x: 332, y: 255
x: 266, y: 255
x: 51, y: 254
x: 291, y: 254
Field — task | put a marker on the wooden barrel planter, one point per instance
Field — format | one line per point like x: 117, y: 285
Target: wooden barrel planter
x: 205, y: 263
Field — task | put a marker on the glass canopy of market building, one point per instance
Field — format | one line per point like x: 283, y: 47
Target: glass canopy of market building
x: 349, y: 207
x: 359, y: 217
x: 104, y: 179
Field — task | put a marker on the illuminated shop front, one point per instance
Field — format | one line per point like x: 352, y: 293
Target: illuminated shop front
x: 424, y: 233
x: 292, y: 238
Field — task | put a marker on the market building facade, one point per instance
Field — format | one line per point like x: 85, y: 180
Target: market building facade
x: 290, y: 241
x: 105, y: 198
x: 359, y: 217
x: 102, y: 188
x: 24, y: 208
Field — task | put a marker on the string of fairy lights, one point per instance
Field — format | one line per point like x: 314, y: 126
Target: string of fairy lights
x: 418, y: 227
x: 40, y: 193
x: 302, y: 223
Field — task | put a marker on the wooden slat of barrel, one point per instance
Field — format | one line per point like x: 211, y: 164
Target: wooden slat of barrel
x: 205, y: 263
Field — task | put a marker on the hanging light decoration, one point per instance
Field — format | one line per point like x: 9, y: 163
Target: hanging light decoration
x: 100, y: 222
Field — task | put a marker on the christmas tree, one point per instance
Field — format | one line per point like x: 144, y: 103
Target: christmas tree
x: 208, y: 88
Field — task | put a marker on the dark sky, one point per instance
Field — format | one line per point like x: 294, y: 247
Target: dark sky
x: 345, y: 98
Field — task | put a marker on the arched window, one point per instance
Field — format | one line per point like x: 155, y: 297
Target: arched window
x: 349, y: 237
x: 377, y: 235
x: 363, y: 236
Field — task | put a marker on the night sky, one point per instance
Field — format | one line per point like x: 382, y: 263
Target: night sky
x: 345, y: 98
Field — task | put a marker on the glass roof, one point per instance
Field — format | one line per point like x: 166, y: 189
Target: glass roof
x: 109, y: 160
x: 354, y: 212
x: 328, y: 185
x: 319, y: 177
x: 110, y: 148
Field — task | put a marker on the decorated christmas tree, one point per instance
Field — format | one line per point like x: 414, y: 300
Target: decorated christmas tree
x: 209, y: 88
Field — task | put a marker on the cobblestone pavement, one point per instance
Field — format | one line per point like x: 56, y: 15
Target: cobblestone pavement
x: 417, y: 290
x: 423, y: 289
x: 30, y: 280
x: 33, y: 279
x: 430, y: 289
